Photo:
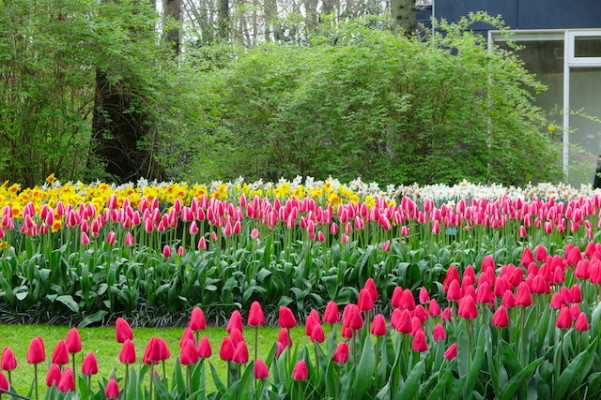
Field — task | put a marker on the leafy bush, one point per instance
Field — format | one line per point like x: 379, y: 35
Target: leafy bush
x: 365, y: 101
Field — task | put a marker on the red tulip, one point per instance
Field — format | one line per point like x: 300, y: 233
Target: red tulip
x: 54, y: 375
x: 314, y: 315
x: 4, y: 385
x: 386, y: 246
x: 564, y: 319
x: 454, y: 292
x: 397, y: 293
x: 89, y: 365
x: 581, y: 322
x: 128, y: 352
x: 36, y: 353
x: 123, y: 331
x: 226, y: 352
x: 407, y: 300
x: 527, y: 257
x: 188, y: 354
x: 279, y: 349
x: 467, y: 308
x: 424, y: 297
x: 256, y: 316
x: 204, y: 348
x: 446, y: 315
x: 575, y: 293
x: 9, y: 361
x: 261, y: 370
x: 523, y: 296
x: 540, y: 253
x: 317, y: 334
x: 439, y: 333
x: 352, y: 318
x: 234, y: 322
x: 60, y: 355
x: 341, y: 353
x: 501, y: 318
x: 236, y: 337
x: 156, y: 351
x: 300, y: 372
x: 67, y: 382
x: 378, y: 326
x: 365, y: 301
x: 73, y: 341
x: 287, y: 319
x: 331, y: 315
x: 420, y: 313
x: 452, y: 275
x: 370, y: 286
x: 419, y: 342
x: 167, y: 251
x: 433, y: 308
x: 241, y: 353
x: 404, y: 323
x: 187, y: 335
x: 284, y: 338
x: 197, y: 320
x: 451, y: 352
x: 112, y: 389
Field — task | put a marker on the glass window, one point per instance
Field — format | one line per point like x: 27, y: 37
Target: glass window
x: 587, y: 46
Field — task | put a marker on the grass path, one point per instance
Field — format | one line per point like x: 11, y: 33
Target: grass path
x: 102, y: 342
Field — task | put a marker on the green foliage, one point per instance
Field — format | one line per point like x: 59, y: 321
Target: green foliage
x: 50, y: 55
x: 365, y: 101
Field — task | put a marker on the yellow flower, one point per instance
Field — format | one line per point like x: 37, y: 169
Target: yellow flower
x: 51, y: 178
x: 3, y: 245
x: 551, y: 128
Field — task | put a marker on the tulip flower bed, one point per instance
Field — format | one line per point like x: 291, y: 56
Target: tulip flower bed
x: 83, y: 255
x: 499, y: 331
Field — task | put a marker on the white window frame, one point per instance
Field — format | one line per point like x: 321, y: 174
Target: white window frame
x: 570, y: 61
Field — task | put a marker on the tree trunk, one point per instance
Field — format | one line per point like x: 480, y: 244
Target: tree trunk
x: 223, y: 18
x: 172, y: 15
x: 403, y: 15
x: 270, y: 9
x: 123, y: 139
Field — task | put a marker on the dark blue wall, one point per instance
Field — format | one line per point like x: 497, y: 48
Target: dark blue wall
x: 526, y: 14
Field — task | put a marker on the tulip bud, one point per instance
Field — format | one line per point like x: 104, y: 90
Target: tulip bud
x: 67, y: 382
x: 419, y: 343
x: 204, y: 348
x: 226, y: 352
x: 286, y: 318
x: 60, y: 355
x: 128, y: 352
x: 235, y: 322
x: 331, y: 315
x: 261, y: 371
x: 501, y: 318
x: 451, y: 352
x: 341, y: 353
x: 36, y: 353
x: 467, y: 308
x: 300, y: 372
x: 73, y: 341
x: 256, y: 316
x: 370, y: 286
x: 112, y: 389
x: 564, y: 319
x: 439, y: 333
x: 241, y: 353
x: 581, y: 322
x: 53, y: 377
x: 378, y: 326
x: 197, y: 320
x: 188, y: 354
x: 123, y: 331
x: 89, y: 365
x: 9, y: 361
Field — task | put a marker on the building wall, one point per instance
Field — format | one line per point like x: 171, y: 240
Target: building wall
x: 526, y: 14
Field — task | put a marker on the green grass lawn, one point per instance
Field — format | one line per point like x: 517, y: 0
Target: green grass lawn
x: 102, y: 342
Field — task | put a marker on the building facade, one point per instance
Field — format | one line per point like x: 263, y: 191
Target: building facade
x: 560, y: 42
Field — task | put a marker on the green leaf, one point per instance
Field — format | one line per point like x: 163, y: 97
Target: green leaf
x: 575, y: 372
x: 92, y: 319
x: 365, y: 369
x: 68, y: 301
x: 410, y: 388
x: 518, y: 380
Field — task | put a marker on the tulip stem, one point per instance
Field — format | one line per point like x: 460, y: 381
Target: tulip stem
x: 189, y: 379
x: 256, y: 342
x: 73, y: 362
x: 35, y: 379
x: 151, y: 378
x: 126, y: 379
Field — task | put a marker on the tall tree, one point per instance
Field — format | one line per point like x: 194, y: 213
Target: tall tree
x: 172, y: 13
x: 223, y: 19
x: 122, y: 131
